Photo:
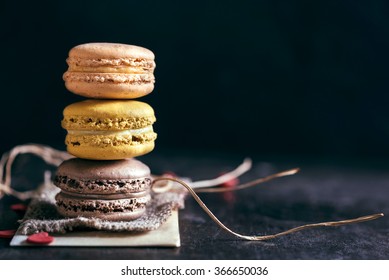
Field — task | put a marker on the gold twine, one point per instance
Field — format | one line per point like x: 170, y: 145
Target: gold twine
x: 48, y: 154
x: 56, y: 157
x: 265, y: 237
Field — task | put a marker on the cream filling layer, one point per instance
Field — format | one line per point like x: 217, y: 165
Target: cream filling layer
x: 139, y: 195
x: 89, y: 62
x: 89, y: 77
x: 126, y: 132
x: 107, y: 69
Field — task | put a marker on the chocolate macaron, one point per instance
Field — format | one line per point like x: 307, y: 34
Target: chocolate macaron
x: 110, y: 190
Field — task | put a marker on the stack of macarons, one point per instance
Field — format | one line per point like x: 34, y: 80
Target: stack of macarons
x: 106, y: 132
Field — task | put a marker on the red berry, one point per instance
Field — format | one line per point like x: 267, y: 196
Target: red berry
x: 8, y: 233
x: 40, y: 238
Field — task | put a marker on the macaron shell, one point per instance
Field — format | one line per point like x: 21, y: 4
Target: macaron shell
x: 86, y: 151
x: 113, y: 140
x: 109, y: 90
x: 110, y: 50
x: 92, y: 177
x: 80, y: 169
x: 107, y: 115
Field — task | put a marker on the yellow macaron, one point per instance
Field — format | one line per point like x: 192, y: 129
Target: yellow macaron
x: 110, y: 71
x: 109, y: 129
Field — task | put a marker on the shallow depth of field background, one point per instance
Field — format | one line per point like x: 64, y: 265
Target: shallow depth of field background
x: 250, y: 77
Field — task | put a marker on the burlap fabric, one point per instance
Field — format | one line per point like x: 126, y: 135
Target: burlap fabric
x: 42, y: 214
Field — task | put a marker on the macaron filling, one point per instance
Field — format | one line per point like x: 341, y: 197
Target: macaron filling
x: 101, y: 186
x: 77, y: 204
x: 74, y: 122
x: 111, y: 69
x: 112, y: 132
x: 76, y: 63
x: 108, y: 78
x: 106, y: 196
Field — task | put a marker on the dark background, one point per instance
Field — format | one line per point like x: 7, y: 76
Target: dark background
x: 285, y: 82
x: 250, y: 77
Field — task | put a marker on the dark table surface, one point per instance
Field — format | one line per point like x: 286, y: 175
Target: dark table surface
x: 324, y: 190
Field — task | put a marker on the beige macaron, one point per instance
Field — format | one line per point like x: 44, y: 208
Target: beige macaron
x: 110, y: 71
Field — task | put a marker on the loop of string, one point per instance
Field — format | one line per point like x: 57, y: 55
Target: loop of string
x: 48, y: 154
x: 263, y: 237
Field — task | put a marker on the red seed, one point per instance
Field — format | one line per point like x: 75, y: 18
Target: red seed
x: 18, y: 207
x: 8, y: 233
x: 40, y: 238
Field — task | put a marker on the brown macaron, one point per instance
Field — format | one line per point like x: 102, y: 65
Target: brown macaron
x: 110, y: 71
x: 109, y: 190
